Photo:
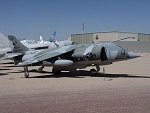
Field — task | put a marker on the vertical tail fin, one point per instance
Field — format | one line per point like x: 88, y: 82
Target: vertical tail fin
x: 41, y: 39
x: 52, y: 39
x: 18, y: 46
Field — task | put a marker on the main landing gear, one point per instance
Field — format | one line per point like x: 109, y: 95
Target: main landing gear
x: 56, y: 72
x: 93, y: 72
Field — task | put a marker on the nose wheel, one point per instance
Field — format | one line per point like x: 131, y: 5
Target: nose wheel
x: 93, y: 72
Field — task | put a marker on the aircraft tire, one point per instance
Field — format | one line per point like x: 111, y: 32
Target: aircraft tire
x: 26, y: 76
x: 56, y: 72
x: 26, y: 72
x: 93, y: 72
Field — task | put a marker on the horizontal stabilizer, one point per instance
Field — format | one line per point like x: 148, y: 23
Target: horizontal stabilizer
x: 10, y: 55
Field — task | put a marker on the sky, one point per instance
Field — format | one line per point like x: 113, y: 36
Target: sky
x: 29, y: 19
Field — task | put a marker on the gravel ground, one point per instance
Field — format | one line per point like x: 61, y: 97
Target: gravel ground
x: 125, y: 88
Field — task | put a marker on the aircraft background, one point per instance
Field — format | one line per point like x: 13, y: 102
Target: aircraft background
x: 43, y: 44
x: 6, y: 45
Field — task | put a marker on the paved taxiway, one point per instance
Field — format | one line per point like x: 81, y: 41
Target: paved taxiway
x: 125, y: 89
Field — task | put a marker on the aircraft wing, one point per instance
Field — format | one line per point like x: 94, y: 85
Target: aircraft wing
x: 10, y: 55
x: 47, y: 54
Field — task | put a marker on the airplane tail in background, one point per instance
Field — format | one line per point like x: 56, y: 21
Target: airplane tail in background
x: 52, y: 39
x: 18, y: 46
x: 42, y: 40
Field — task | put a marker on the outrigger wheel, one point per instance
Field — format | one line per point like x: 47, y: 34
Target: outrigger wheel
x: 26, y: 72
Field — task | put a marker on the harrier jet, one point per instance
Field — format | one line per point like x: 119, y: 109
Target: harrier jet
x: 69, y: 58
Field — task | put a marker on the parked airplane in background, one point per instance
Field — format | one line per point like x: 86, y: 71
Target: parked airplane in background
x: 4, y: 50
x: 42, y: 44
x: 70, y: 57
x: 52, y: 39
x: 4, y: 45
x: 33, y: 44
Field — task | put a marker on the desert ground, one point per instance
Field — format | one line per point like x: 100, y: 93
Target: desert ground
x: 124, y: 88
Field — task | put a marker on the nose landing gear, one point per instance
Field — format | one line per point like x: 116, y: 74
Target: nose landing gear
x: 93, y: 72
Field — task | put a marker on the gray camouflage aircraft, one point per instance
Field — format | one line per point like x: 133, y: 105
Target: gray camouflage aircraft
x: 68, y: 58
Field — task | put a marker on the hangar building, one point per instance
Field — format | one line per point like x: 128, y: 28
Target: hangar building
x: 108, y: 36
x: 136, y: 42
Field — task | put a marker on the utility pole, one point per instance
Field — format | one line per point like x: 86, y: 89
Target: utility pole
x: 82, y: 31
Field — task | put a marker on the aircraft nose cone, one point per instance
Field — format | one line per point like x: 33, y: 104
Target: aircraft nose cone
x: 133, y: 55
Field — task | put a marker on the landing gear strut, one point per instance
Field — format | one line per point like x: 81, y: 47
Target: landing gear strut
x: 26, y: 72
x: 93, y: 72
x: 41, y: 69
